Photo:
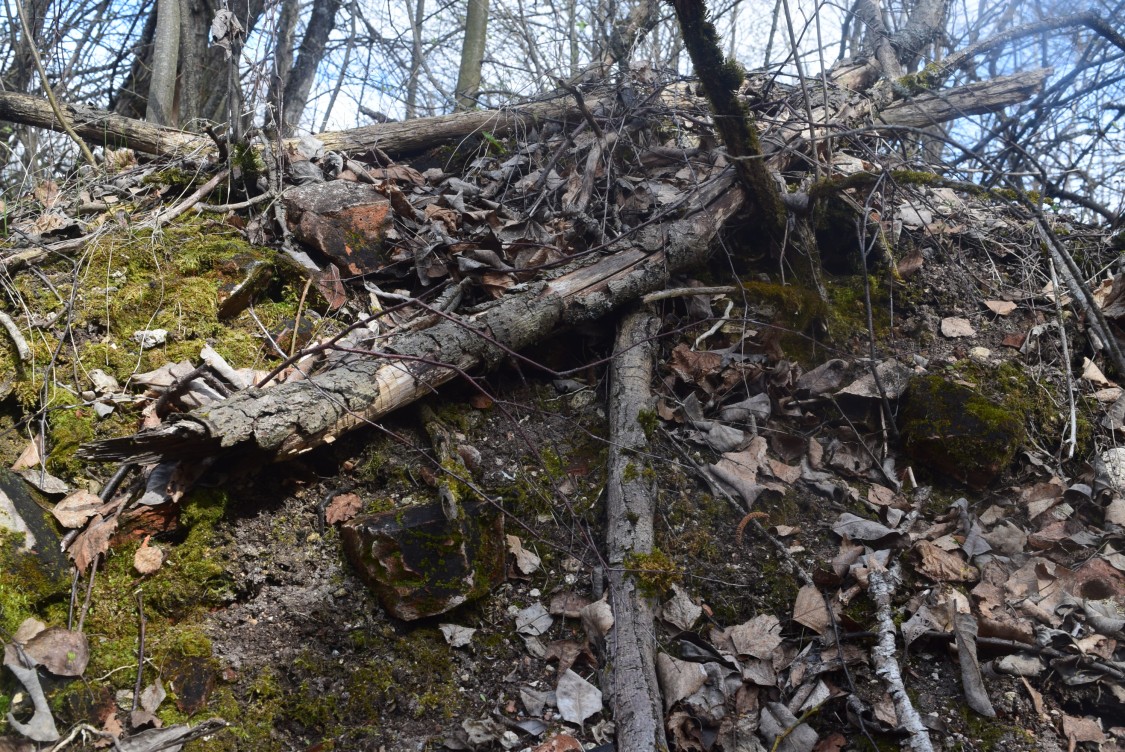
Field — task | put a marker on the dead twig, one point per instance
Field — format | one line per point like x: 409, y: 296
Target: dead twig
x: 202, y: 192
x: 22, y: 350
x: 880, y: 586
x: 140, y: 649
x: 64, y: 121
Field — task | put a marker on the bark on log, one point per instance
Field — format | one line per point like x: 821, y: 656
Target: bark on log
x: 397, y: 139
x: 843, y: 111
x: 971, y: 99
x: 630, y: 674
x: 293, y: 418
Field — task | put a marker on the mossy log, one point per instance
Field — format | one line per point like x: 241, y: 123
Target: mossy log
x: 293, y: 418
x: 721, y: 79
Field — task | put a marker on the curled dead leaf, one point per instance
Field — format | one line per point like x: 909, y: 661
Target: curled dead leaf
x: 148, y: 558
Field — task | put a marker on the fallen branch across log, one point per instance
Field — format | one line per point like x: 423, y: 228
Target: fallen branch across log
x: 293, y: 418
x: 397, y: 139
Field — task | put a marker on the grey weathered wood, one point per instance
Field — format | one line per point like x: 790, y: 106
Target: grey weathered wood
x: 629, y: 678
x: 293, y: 418
x: 408, y: 137
x: 971, y: 99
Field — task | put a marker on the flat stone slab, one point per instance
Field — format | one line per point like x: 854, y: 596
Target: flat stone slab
x: 345, y: 221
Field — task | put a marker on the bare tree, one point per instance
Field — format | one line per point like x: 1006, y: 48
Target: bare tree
x: 472, y: 54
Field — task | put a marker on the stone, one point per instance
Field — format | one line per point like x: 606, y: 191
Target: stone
x: 419, y: 563
x: 952, y: 430
x: 345, y: 221
x: 243, y: 277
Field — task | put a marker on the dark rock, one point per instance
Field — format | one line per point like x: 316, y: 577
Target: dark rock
x: 421, y: 564
x: 194, y: 678
x: 953, y: 430
x: 244, y: 276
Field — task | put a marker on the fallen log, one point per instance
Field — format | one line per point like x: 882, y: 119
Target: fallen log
x: 397, y: 139
x: 629, y: 677
x: 293, y: 418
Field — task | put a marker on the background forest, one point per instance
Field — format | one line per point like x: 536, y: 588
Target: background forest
x: 335, y: 64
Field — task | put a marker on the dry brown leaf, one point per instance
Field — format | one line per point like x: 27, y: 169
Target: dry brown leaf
x: 943, y: 566
x: 30, y: 456
x: 910, y: 263
x: 566, y: 652
x: 73, y: 511
x: 832, y: 743
x: 1094, y: 375
x: 448, y: 218
x: 47, y: 193
x: 63, y: 652
x: 527, y: 561
x: 758, y: 637
x: 568, y: 604
x: 881, y: 496
x: 91, y: 542
x: 1081, y: 730
x: 694, y: 367
x: 560, y: 743
x: 330, y: 285
x: 1014, y: 340
x: 1000, y: 307
x: 148, y: 558
x: 342, y: 508
x: 810, y: 609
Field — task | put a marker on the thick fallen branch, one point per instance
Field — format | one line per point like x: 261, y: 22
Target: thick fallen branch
x: 976, y: 98
x: 412, y: 136
x: 630, y: 674
x: 295, y: 417
x: 926, y: 109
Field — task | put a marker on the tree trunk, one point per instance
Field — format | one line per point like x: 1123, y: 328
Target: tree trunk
x: 129, y: 100
x: 282, y: 59
x: 472, y: 55
x: 214, y: 107
x: 419, y: 13
x: 297, y: 88
x: 160, y: 108
x: 630, y: 674
x: 21, y: 71
x: 721, y: 79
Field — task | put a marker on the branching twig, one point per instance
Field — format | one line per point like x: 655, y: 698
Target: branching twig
x: 64, y: 121
x: 170, y: 214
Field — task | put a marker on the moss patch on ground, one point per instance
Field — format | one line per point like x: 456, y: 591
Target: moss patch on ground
x: 127, y: 281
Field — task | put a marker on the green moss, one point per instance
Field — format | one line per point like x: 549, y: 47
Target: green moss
x: 958, y: 432
x: 124, y: 282
x: 649, y: 421
x: 927, y: 79
x: 655, y: 572
x: 409, y: 674
x: 847, y: 307
x: 1011, y: 387
x: 988, y: 734
x: 27, y: 588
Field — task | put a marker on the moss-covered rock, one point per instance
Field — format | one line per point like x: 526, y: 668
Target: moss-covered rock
x: 419, y: 563
x: 954, y: 431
